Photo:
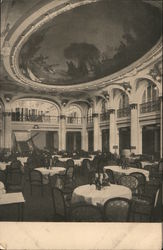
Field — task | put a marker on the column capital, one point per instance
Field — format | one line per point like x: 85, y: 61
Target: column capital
x: 95, y: 115
x: 62, y: 117
x: 111, y: 111
x: 133, y: 106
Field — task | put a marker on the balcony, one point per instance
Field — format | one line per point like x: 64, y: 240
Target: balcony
x: 122, y: 113
x: 90, y: 119
x: 104, y: 117
x: 17, y: 117
x: 148, y: 107
x: 73, y: 120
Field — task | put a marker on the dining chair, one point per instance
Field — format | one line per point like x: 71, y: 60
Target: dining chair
x: 60, y: 206
x: 141, y: 181
x: 70, y: 163
x: 130, y: 182
x: 117, y: 210
x: 85, y: 213
x: 110, y: 176
x: 14, y: 179
x: 142, y: 209
x: 36, y: 180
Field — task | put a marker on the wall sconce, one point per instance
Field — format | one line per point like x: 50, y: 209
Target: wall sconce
x: 106, y: 95
x: 8, y: 98
x: 127, y: 86
x: 64, y: 102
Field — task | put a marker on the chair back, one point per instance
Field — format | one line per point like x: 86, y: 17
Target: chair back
x: 59, y: 205
x: 56, y: 181
x: 130, y: 182
x: 85, y: 213
x: 153, y: 170
x: 70, y: 172
x: 86, y: 163
x: 117, y: 210
x: 70, y: 163
x: 110, y: 176
x: 14, y: 179
x: 35, y: 177
x: 140, y: 176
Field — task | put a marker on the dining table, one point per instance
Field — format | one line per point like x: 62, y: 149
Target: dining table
x: 50, y: 171
x: 3, y: 165
x: 9, y: 199
x: 119, y: 170
x: 90, y: 195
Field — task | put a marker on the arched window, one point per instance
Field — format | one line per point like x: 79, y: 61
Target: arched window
x: 89, y: 115
x: 73, y: 115
x: 124, y: 101
x: 33, y: 110
x: 104, y: 116
x: 150, y: 101
x: 150, y: 93
x: 124, y: 110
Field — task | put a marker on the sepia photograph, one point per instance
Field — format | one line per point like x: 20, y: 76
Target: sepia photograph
x: 81, y: 124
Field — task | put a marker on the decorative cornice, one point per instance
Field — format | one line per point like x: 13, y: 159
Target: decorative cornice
x: 29, y: 25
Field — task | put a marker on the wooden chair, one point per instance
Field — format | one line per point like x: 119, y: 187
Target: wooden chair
x: 85, y: 213
x: 110, y: 176
x: 130, y: 182
x: 14, y: 179
x: 36, y: 180
x: 60, y: 207
x: 117, y: 210
x: 141, y: 181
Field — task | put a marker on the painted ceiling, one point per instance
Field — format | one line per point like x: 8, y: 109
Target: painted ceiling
x: 90, y: 42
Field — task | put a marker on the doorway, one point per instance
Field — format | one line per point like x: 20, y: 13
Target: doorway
x: 105, y: 140
x: 90, y: 141
x: 73, y: 141
x: 124, y: 138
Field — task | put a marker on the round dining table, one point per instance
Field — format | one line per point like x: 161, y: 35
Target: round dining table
x: 90, y: 195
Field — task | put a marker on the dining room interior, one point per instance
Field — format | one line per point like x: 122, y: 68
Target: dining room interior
x: 81, y: 111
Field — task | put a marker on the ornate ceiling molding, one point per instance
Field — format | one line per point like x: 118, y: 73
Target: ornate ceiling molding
x: 33, y: 22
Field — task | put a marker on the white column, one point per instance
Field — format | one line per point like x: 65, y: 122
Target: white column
x: 96, y: 130
x: 7, y: 129
x: 112, y: 131
x: 140, y: 140
x: 84, y: 134
x: 62, y: 133
x: 134, y: 128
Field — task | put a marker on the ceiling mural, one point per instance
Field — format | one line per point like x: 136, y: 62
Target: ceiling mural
x: 90, y: 42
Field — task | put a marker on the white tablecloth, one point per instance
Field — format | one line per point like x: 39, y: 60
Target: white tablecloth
x: 144, y: 163
x: 54, y: 170
x: 128, y: 171
x: 22, y: 159
x: 3, y: 165
x: 90, y: 195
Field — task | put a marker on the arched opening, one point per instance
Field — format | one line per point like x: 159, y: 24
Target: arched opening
x: 34, y: 110
x: 150, y: 133
x: 123, y: 108
x: 33, y: 113
x: 73, y: 115
x: 150, y: 99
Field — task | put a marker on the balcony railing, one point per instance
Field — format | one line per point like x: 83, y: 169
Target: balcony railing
x: 104, y: 116
x: 73, y: 120
x: 125, y: 112
x: 89, y: 119
x: 17, y: 117
x: 148, y: 107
